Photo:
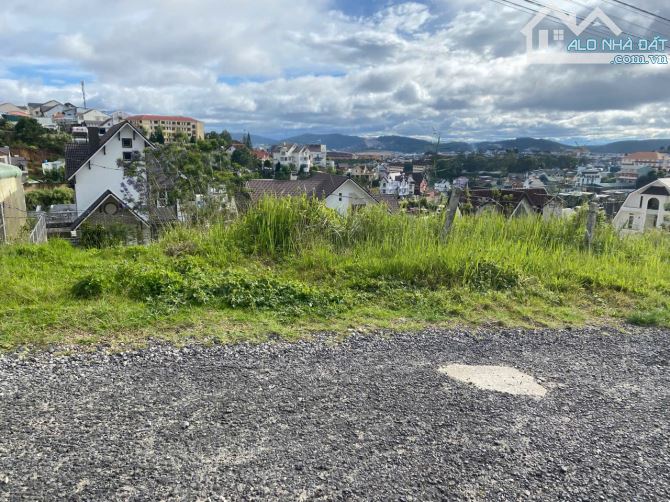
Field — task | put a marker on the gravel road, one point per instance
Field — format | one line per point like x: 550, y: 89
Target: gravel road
x: 368, y: 418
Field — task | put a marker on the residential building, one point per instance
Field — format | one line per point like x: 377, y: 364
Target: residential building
x: 629, y: 173
x: 645, y: 209
x: 513, y: 203
x: 47, y: 123
x: 589, y: 177
x: 170, y: 124
x: 92, y: 117
x: 13, y: 216
x: 103, y: 192
x: 443, y: 186
x: 302, y: 157
x: 318, y: 153
x: 7, y: 108
x: 400, y: 185
x: 38, y: 109
x: 654, y: 160
x: 54, y: 165
x: 261, y: 155
x: 5, y: 155
x: 340, y: 193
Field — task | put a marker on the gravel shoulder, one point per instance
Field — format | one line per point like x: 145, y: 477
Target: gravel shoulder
x: 370, y: 417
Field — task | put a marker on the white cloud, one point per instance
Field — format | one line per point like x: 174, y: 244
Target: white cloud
x: 271, y: 65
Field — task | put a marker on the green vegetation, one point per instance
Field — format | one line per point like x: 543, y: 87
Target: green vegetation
x: 292, y: 266
x: 49, y: 196
x: 510, y: 162
x: 28, y: 133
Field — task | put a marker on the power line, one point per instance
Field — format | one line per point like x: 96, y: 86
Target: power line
x: 549, y: 17
x: 646, y: 28
x: 638, y: 9
x: 544, y: 6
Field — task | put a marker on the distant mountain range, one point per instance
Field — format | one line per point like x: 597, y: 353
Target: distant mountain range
x: 404, y: 144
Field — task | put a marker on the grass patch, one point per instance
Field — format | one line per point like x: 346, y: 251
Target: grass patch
x: 292, y: 266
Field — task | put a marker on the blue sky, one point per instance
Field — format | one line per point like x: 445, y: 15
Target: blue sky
x: 280, y: 67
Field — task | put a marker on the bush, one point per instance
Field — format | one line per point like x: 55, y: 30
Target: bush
x: 99, y: 236
x: 190, y: 282
x: 48, y: 196
x: 89, y: 287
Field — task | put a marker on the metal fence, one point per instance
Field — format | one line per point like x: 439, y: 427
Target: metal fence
x: 38, y: 235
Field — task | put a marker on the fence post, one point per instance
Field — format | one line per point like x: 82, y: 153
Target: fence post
x: 454, y: 200
x: 591, y: 220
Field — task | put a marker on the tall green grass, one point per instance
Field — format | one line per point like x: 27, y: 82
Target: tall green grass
x: 293, y: 262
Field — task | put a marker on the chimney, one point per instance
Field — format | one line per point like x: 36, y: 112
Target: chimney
x: 93, y: 138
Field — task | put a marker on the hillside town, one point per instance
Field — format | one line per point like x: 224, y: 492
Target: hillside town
x: 335, y: 250
x: 92, y: 189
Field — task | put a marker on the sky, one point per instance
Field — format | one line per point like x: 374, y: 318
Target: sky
x: 283, y: 67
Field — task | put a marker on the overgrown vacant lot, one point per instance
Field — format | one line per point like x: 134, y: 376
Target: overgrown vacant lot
x: 292, y: 266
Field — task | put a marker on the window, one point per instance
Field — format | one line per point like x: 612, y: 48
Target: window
x: 127, y: 156
x: 641, y: 201
x: 340, y: 195
x: 110, y: 208
x: 653, y: 204
x: 127, y: 143
x: 559, y: 35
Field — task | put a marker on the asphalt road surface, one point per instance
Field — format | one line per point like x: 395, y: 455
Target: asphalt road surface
x: 369, y: 418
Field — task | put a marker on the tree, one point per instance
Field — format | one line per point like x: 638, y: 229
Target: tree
x: 176, y: 172
x: 226, y: 137
x: 49, y: 196
x: 28, y: 130
x: 646, y: 179
x: 246, y: 139
x: 157, y: 136
x: 244, y: 158
x: 282, y: 172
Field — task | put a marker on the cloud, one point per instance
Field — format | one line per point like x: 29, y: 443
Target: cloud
x: 274, y: 66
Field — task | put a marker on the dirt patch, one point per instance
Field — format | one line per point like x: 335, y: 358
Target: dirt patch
x: 496, y: 378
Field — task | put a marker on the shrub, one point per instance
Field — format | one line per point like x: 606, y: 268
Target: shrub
x: 99, y: 236
x: 89, y: 287
x: 48, y: 196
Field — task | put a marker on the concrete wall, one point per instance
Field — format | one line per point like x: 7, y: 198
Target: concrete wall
x: 13, y: 201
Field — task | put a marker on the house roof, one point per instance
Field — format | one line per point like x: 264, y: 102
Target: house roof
x: 17, y: 113
x: 645, y: 156
x: 98, y: 202
x: 179, y: 118
x: 391, y: 201
x: 261, y: 154
x: 508, y: 200
x: 77, y: 154
x: 319, y: 185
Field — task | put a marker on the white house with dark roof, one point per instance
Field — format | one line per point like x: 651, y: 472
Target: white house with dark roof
x: 647, y: 208
x: 301, y: 156
x: 97, y: 166
x: 338, y: 192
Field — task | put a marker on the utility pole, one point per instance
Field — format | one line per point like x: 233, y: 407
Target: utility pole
x: 83, y: 92
x: 452, y: 207
x: 437, y: 153
x: 591, y: 220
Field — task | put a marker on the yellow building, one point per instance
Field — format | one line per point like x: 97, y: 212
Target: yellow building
x: 170, y: 124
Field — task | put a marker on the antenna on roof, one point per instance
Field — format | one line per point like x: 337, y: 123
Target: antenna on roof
x: 83, y: 92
